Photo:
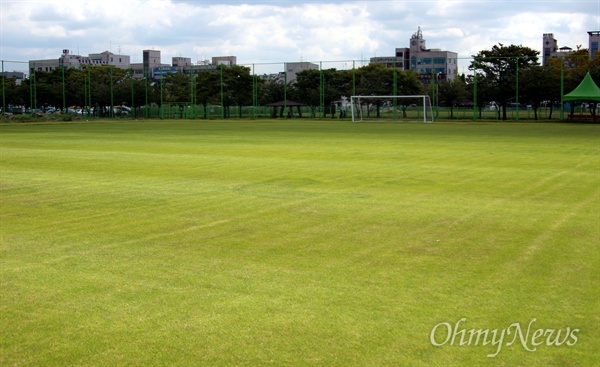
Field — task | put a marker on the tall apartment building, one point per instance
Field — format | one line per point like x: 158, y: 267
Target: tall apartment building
x: 429, y: 63
x: 550, y: 48
x: 594, y: 42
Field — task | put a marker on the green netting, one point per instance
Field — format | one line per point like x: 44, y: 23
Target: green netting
x: 249, y: 91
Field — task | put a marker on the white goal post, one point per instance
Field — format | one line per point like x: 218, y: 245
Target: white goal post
x: 409, y: 107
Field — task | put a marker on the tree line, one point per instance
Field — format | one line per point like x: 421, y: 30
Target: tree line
x: 504, y: 75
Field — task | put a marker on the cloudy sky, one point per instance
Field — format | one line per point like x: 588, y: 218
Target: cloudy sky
x: 268, y: 31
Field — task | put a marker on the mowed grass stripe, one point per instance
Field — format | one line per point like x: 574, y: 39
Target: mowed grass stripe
x: 294, y: 243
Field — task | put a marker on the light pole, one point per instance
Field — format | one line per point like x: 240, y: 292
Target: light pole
x: 437, y: 94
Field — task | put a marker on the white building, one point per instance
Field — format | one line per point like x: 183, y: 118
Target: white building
x: 427, y: 62
x: 67, y: 60
x: 293, y: 68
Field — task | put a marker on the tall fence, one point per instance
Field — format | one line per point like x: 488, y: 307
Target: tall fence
x: 309, y: 90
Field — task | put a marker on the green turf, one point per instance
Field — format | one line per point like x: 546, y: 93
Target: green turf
x: 271, y: 243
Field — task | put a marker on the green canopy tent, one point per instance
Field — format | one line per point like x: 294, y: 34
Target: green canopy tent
x: 586, y: 91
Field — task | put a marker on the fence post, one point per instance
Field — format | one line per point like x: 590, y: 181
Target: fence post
x: 395, y: 90
x: 64, y: 98
x: 321, y: 89
x: 112, y: 102
x: 222, y: 105
x: 562, y: 87
x: 3, y: 91
x: 133, y: 114
x: 475, y: 92
x: 254, y: 93
x: 284, y: 89
x: 517, y: 87
x: 34, y: 106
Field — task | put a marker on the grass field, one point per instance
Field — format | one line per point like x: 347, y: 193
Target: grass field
x: 312, y: 243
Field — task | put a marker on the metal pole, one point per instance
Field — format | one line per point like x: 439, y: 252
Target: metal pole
x: 146, y: 86
x: 85, y: 91
x: 31, y: 89
x: 562, y: 87
x: 322, y: 89
x: 284, y: 88
x: 517, y: 88
x: 254, y: 93
x: 34, y: 91
x: 222, y: 105
x: 395, y: 90
x: 475, y: 94
x: 161, y: 107
x: 89, y: 85
x: 192, y: 94
x: 112, y: 102
x: 3, y: 91
x: 132, y: 95
x: 353, y: 79
x: 64, y: 98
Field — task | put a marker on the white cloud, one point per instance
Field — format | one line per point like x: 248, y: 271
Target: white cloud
x: 284, y: 31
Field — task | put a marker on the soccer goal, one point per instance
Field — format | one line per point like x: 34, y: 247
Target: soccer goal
x: 391, y: 108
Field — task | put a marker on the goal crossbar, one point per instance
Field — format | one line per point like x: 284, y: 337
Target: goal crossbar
x: 356, y: 100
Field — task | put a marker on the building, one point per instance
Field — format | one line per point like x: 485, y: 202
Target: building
x: 68, y: 60
x: 427, y: 62
x: 224, y: 60
x: 108, y: 58
x: 181, y: 62
x: 293, y: 68
x: 18, y: 76
x: 150, y: 62
x: 151, y: 67
x: 594, y: 41
x: 550, y: 48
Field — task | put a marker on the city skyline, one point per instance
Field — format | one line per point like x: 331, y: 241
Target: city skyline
x: 264, y: 32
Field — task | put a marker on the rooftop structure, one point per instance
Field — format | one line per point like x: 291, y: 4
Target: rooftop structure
x: 427, y: 62
x: 224, y: 60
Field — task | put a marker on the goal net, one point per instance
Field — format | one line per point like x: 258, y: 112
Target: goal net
x: 391, y: 108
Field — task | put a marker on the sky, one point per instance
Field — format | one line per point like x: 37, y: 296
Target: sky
x: 263, y: 34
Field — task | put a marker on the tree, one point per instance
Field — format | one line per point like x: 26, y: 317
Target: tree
x: 237, y: 87
x: 308, y: 88
x: 407, y: 83
x: 451, y: 92
x: 177, y: 88
x: 270, y: 90
x: 48, y: 88
x: 375, y: 80
x: 207, y: 89
x: 501, y: 65
x: 538, y: 84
